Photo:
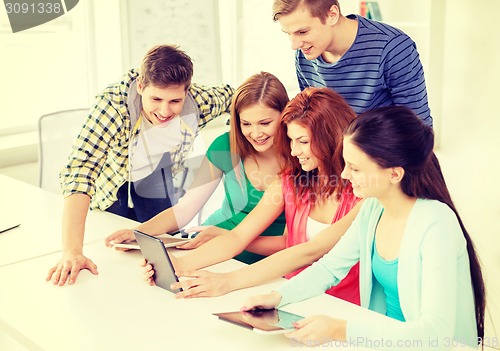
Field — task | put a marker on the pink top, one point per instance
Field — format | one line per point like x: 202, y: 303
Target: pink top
x: 296, y: 221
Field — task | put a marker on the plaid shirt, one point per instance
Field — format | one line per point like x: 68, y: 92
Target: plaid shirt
x: 99, y: 161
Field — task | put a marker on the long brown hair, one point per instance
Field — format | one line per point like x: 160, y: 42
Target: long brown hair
x: 261, y: 88
x: 326, y: 115
x: 394, y: 136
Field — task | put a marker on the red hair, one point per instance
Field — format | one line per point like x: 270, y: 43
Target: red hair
x: 326, y: 115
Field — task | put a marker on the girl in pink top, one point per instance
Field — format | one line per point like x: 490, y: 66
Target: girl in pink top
x: 311, y: 132
x: 296, y: 222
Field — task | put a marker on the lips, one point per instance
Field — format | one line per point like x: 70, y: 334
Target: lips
x: 260, y: 141
x: 302, y: 160
x: 162, y: 119
x: 307, y: 51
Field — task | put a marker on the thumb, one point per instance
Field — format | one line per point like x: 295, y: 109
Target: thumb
x: 197, y: 228
x: 302, y: 323
x: 92, y: 267
x: 191, y: 244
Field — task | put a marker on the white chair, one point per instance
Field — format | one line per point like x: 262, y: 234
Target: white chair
x: 56, y: 133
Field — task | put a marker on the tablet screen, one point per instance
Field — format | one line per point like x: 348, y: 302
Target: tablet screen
x: 154, y: 252
x: 168, y: 241
x: 265, y: 320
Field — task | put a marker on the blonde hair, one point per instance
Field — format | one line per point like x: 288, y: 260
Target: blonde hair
x: 318, y: 8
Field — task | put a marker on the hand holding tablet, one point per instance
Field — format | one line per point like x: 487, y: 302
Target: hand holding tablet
x: 262, y: 321
x: 155, y: 253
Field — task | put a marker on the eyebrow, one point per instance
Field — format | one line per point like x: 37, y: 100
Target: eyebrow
x: 172, y: 99
x: 302, y: 29
x: 259, y: 121
x: 299, y: 138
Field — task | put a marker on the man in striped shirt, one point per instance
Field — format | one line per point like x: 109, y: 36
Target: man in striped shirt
x: 135, y: 139
x: 369, y: 63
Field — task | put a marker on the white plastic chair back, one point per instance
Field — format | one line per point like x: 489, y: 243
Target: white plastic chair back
x: 56, y: 133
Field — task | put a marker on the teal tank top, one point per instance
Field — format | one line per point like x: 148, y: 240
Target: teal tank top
x: 386, y: 273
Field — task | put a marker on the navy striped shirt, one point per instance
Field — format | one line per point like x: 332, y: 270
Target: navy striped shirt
x: 381, y: 68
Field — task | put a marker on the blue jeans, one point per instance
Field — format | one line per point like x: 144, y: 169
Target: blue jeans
x: 150, y: 195
x: 144, y: 207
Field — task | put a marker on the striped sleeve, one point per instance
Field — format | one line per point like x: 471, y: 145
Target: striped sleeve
x: 404, y: 75
x: 298, y: 70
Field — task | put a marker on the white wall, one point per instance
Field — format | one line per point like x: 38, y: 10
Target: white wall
x: 470, y: 130
x: 35, y: 69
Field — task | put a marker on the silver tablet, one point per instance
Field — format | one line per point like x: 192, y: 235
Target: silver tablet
x: 155, y: 253
x: 262, y: 321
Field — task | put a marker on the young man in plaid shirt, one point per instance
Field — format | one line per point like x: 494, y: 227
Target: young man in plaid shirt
x: 133, y: 142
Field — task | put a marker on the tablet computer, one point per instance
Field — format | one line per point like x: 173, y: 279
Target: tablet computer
x: 262, y: 321
x: 155, y: 253
x: 167, y: 239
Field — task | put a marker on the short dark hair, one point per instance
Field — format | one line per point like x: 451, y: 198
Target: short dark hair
x: 166, y: 65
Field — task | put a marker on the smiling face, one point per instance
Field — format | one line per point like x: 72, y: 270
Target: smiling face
x: 259, y: 125
x: 300, y: 145
x: 368, y: 179
x: 308, y: 33
x: 161, y: 105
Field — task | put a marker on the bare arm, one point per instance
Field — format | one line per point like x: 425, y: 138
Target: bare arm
x: 267, y: 245
x: 73, y: 225
x: 205, y: 283
x: 206, y: 181
x: 292, y: 258
x: 230, y: 244
x: 75, y: 211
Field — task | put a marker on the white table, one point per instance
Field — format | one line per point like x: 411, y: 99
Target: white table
x: 40, y: 215
x: 117, y: 310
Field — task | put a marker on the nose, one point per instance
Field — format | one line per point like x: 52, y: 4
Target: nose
x: 295, y: 151
x: 296, y: 43
x: 164, y: 109
x: 345, y: 173
x: 256, y: 131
